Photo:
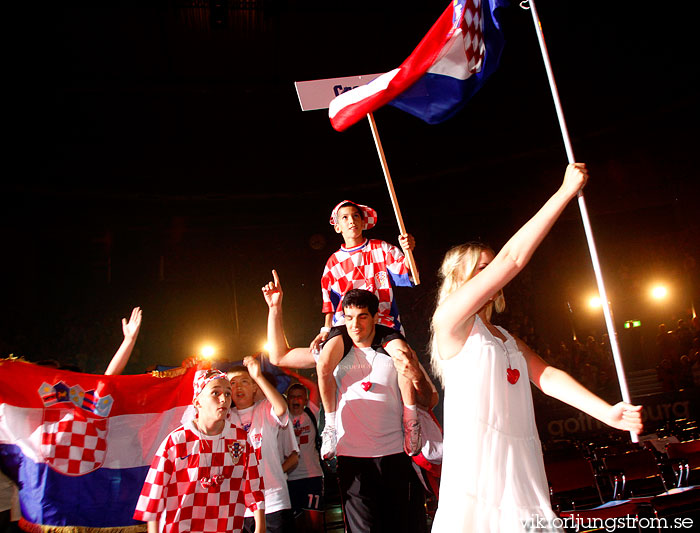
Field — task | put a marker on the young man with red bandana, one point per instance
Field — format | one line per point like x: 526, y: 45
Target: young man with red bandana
x: 205, y: 473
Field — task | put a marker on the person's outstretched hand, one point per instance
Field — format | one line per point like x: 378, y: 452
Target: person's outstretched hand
x: 131, y: 328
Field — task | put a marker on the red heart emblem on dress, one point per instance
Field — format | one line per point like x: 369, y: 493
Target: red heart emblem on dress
x: 513, y: 375
x: 366, y: 385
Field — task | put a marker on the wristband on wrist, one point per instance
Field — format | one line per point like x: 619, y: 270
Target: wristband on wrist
x: 324, y: 329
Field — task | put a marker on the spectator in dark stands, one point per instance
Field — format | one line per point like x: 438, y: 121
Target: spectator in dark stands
x: 683, y: 336
x: 565, y: 356
x: 695, y: 326
x: 666, y: 375
x: 685, y: 377
x: 694, y: 357
x: 666, y: 345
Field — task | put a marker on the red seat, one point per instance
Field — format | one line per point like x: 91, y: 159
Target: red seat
x: 572, y: 480
x: 578, y: 498
x: 635, y: 473
x: 685, y: 460
x: 685, y: 501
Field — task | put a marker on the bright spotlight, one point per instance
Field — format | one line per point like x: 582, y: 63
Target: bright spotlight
x: 207, y: 351
x: 595, y: 302
x: 659, y: 292
x: 266, y: 347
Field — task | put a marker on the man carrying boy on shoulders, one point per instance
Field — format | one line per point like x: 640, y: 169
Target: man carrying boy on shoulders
x: 376, y: 266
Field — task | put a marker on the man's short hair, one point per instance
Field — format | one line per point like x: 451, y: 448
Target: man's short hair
x: 361, y: 298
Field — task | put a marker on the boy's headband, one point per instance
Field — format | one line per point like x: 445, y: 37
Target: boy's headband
x: 369, y: 215
x: 202, y: 377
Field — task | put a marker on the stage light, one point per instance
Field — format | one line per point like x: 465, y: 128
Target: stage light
x: 207, y: 351
x: 659, y: 292
x: 595, y: 302
x: 266, y: 347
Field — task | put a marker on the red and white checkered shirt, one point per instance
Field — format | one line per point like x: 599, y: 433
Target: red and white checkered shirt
x: 173, y: 494
x: 375, y: 266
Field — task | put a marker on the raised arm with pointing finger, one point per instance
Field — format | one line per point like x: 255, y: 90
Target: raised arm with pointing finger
x: 278, y: 349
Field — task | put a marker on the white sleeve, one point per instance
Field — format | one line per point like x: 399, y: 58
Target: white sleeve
x: 271, y: 416
x: 287, y: 441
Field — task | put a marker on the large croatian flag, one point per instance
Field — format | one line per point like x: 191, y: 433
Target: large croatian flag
x: 447, y: 67
x: 79, y: 445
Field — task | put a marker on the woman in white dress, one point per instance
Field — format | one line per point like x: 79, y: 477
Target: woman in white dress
x: 493, y: 473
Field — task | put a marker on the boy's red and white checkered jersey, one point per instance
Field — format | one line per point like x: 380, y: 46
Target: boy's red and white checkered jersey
x: 376, y: 266
x: 174, y: 495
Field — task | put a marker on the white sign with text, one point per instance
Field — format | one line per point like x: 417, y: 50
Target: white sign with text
x: 317, y: 94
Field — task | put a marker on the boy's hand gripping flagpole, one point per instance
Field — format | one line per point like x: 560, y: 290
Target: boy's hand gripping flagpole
x: 317, y: 94
x: 392, y: 193
x: 607, y: 310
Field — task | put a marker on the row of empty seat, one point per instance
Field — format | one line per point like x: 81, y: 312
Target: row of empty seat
x: 614, y: 478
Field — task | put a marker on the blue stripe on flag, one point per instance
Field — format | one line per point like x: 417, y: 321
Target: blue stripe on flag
x: 103, y: 498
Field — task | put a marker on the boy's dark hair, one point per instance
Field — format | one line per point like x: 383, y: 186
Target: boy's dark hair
x: 357, y: 208
x: 239, y: 368
x: 361, y: 298
x: 298, y: 386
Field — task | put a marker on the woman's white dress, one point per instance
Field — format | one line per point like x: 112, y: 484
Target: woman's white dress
x: 493, y: 475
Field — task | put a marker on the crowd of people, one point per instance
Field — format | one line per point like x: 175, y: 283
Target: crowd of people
x: 678, y: 353
x: 592, y: 361
x: 248, y: 458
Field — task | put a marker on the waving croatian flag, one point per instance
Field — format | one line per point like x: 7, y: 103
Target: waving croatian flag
x: 79, y: 445
x: 449, y: 65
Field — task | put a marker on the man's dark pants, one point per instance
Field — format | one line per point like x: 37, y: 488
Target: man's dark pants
x: 381, y: 494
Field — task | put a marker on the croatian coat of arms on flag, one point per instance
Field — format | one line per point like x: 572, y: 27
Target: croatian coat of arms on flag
x: 74, y: 428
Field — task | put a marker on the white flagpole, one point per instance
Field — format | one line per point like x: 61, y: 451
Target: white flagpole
x: 392, y: 193
x: 607, y: 310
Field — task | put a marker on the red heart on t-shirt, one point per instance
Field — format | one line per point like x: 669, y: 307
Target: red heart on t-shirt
x: 366, y: 385
x: 513, y: 375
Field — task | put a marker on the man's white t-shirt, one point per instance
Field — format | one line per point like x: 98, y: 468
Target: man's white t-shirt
x: 369, y: 414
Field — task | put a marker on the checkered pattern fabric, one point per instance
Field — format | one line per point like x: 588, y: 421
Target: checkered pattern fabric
x: 473, y: 29
x: 369, y: 215
x: 72, y: 441
x: 174, y: 495
x: 202, y: 377
x: 376, y: 266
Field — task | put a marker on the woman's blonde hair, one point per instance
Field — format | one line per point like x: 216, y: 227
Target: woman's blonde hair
x: 458, y: 267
